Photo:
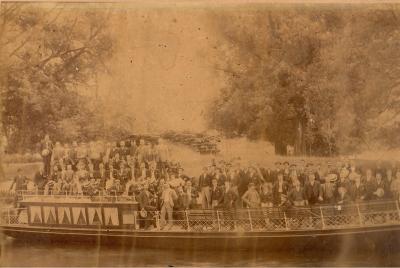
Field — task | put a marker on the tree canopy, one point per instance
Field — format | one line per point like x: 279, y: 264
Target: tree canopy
x: 322, y: 78
x: 50, y: 57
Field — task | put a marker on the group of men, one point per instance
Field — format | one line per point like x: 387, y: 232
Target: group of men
x: 143, y: 171
x: 231, y: 186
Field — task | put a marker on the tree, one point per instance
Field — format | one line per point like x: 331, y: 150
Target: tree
x: 319, y: 79
x: 49, y: 57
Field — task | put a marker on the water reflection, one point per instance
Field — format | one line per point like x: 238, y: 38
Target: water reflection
x: 18, y: 253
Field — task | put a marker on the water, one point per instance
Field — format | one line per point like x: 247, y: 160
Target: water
x: 17, y: 253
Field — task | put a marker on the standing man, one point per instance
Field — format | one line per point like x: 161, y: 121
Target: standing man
x: 204, y: 186
x: 167, y: 198
x: 46, y: 152
x: 20, y: 182
x: 40, y: 180
x: 145, y: 199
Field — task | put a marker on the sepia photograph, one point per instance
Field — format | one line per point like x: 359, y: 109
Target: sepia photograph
x: 200, y: 133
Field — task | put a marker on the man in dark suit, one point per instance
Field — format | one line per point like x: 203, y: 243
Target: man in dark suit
x: 204, y: 186
x: 274, y: 173
x: 191, y: 195
x: 216, y: 194
x: 46, y: 150
x: 313, y: 190
x: 229, y: 201
x: 145, y: 199
x: 40, y: 180
x: 280, y: 190
x: 20, y: 182
x: 229, y: 196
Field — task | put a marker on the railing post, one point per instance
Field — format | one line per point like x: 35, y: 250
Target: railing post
x: 219, y: 223
x: 8, y: 216
x: 398, y: 207
x: 322, y: 218
x: 359, y: 214
x: 187, y: 220
x: 251, y: 222
x: 158, y: 220
x: 286, y: 223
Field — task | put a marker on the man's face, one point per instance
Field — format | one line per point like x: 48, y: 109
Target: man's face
x: 286, y: 165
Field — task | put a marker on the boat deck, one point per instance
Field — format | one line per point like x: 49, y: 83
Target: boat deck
x: 278, y: 219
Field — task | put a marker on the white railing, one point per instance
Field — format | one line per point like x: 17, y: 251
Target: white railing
x: 101, y: 197
x: 262, y: 219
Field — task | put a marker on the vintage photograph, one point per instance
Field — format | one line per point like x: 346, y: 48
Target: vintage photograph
x: 206, y: 133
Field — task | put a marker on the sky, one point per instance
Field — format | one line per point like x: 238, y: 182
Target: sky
x: 162, y: 71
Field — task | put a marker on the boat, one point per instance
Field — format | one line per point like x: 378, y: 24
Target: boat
x: 115, y: 219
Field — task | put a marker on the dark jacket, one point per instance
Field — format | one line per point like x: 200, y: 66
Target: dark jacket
x: 312, y: 192
x: 204, y: 180
x: 217, y: 194
x: 144, y: 199
x: 229, y: 198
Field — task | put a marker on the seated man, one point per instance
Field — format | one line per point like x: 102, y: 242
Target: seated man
x: 267, y: 195
x: 297, y: 196
x: 251, y: 197
x: 343, y: 197
x: 68, y: 178
x: 357, y: 189
x: 92, y: 188
x: 58, y: 187
x: 48, y: 188
x: 114, y: 187
x: 313, y: 191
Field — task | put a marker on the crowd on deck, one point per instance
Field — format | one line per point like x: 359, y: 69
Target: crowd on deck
x: 143, y: 171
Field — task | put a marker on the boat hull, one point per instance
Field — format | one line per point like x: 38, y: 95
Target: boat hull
x: 383, y: 238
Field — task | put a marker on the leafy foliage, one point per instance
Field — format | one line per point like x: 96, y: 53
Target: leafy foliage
x: 321, y: 78
x: 50, y: 58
